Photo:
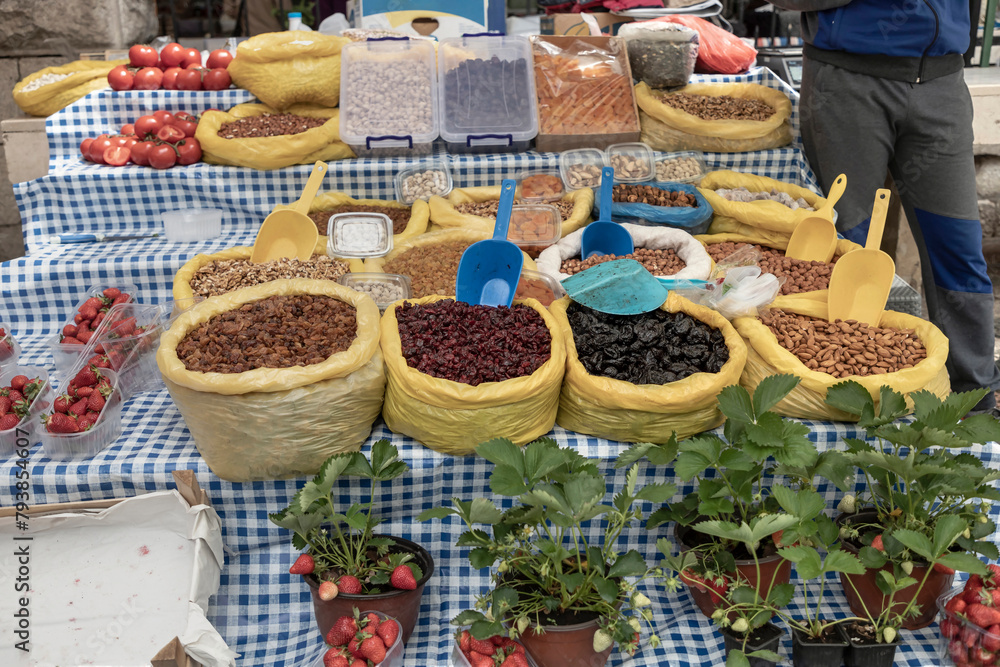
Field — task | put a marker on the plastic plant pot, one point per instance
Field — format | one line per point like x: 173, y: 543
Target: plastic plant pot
x: 808, y: 652
x: 564, y: 645
x: 766, y: 638
x: 26, y: 433
x: 870, y: 655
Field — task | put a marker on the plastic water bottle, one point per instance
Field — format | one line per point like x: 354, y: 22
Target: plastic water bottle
x: 295, y: 20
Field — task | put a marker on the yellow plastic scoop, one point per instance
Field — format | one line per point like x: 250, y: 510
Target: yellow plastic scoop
x: 861, y: 279
x: 289, y: 232
x: 815, y: 237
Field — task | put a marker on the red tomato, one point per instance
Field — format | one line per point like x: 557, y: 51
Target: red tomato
x: 170, y: 78
x: 141, y: 55
x: 101, y: 144
x: 196, y: 66
x: 217, y: 79
x: 191, y: 57
x: 118, y: 140
x: 189, y: 79
x: 219, y: 58
x: 130, y: 142
x: 188, y: 151
x: 140, y: 152
x: 165, y: 117
x: 162, y: 156
x: 128, y: 129
x: 85, y: 147
x: 184, y: 115
x: 116, y: 156
x: 148, y: 78
x: 170, y: 134
x: 120, y: 78
x: 147, y: 125
x: 172, y: 54
x: 186, y: 126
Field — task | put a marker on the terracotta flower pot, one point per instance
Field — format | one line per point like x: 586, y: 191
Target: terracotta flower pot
x: 565, y: 646
x: 869, y: 596
x: 404, y: 606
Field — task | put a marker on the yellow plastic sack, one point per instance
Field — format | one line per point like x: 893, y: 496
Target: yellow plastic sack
x: 182, y: 279
x: 452, y: 417
x: 622, y: 411
x: 319, y: 143
x: 444, y: 214
x: 269, y: 423
x: 661, y: 137
x: 285, y: 68
x: 765, y: 214
x: 649, y: 102
x: 419, y: 211
x: 807, y: 401
x: 725, y: 225
x: 80, y: 77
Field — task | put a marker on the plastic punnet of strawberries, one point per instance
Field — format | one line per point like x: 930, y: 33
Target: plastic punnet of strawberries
x: 361, y: 640
x: 16, y: 399
x: 90, y: 315
x: 80, y: 407
x: 6, y: 343
x: 971, y: 623
x: 496, y: 651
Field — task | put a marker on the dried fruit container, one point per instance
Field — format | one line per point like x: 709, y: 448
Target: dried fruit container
x: 540, y: 185
x: 84, y: 445
x: 690, y: 164
x: 633, y: 162
x: 393, y: 654
x: 394, y: 281
x: 961, y: 640
x: 130, y: 343
x: 486, y: 86
x: 408, y: 192
x: 534, y: 227
x: 388, y: 97
x: 359, y: 235
x: 10, y: 350
x: 67, y: 355
x: 592, y: 159
x: 540, y: 286
x: 27, y: 431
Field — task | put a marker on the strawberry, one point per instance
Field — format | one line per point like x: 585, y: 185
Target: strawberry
x: 972, y: 587
x: 84, y: 392
x: 77, y: 318
x: 948, y: 628
x: 14, y: 395
x: 69, y: 331
x: 483, y: 646
x: 370, y: 623
x: 994, y: 579
x: 18, y: 382
x: 71, y: 341
x: 9, y: 421
x: 333, y: 658
x: 304, y: 564
x: 373, y: 649
x: 121, y: 298
x: 62, y: 403
x: 354, y: 646
x: 776, y: 536
x: 496, y: 640
x: 508, y: 643
x: 982, y: 615
x: 877, y: 543
x: 480, y: 660
x: 5, y: 404
x: 96, y: 403
x: 327, y: 589
x: 956, y: 605
x: 991, y: 638
x: 943, y: 569
x: 86, y: 421
x: 100, y: 318
x: 60, y: 423
x: 358, y: 662
x: 84, y: 336
x: 465, y: 641
x: 88, y: 312
x: 349, y: 585
x: 984, y: 656
x: 969, y: 636
x: 79, y: 408
x: 717, y: 589
x: 388, y: 632
x: 989, y: 597
x: 515, y: 660
x: 111, y: 292
x: 87, y: 377
x: 403, y: 579
x: 342, y: 631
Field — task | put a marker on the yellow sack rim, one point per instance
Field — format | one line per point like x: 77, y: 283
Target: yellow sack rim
x: 711, y: 181
x: 377, y: 264
x: 443, y: 212
x: 343, y: 363
x: 285, y: 45
x: 725, y: 129
x: 450, y: 395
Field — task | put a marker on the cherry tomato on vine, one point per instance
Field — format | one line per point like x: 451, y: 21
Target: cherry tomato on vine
x: 162, y: 156
x: 191, y: 57
x: 189, y: 79
x: 140, y: 152
x: 186, y: 126
x: 120, y: 78
x: 170, y: 134
x: 219, y: 58
x: 147, y: 125
x: 165, y: 117
x: 128, y: 129
x: 85, y: 147
x: 170, y: 78
x: 97, y: 148
x: 216, y: 79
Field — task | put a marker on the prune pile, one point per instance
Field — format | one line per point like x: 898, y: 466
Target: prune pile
x: 652, y: 348
x: 473, y: 344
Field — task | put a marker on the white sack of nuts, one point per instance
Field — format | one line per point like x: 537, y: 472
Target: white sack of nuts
x: 698, y: 263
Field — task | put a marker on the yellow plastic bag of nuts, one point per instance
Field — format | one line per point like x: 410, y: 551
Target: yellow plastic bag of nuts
x: 182, y: 279
x: 765, y: 213
x: 48, y: 90
x: 285, y: 68
x: 661, y: 137
x: 577, y: 204
x: 269, y: 423
x: 619, y: 410
x: 415, y: 225
x: 652, y: 103
x: 317, y: 143
x: 766, y: 356
x: 452, y: 417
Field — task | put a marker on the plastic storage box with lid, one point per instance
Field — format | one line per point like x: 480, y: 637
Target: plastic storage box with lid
x: 65, y: 355
x: 486, y: 85
x: 581, y: 167
x: 359, y: 235
x: 539, y: 185
x: 633, y: 162
x: 385, y: 288
x: 539, y: 286
x: 681, y: 167
x: 10, y: 350
x: 422, y: 180
x: 388, y: 97
x: 393, y: 654
x: 85, y: 444
x: 534, y: 227
x: 25, y: 433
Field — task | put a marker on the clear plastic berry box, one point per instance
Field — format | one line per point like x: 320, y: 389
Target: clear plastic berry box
x: 67, y: 355
x: 540, y: 185
x: 84, y: 445
x: 9, y: 348
x: 961, y: 640
x: 534, y: 227
x: 26, y: 433
x: 394, y: 280
x: 690, y: 162
x: 638, y: 155
x: 132, y: 353
x: 393, y: 654
x: 581, y: 167
x: 458, y: 658
x: 408, y: 192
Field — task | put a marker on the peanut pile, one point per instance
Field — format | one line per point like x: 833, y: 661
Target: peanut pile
x: 400, y: 216
x: 269, y: 125
x: 488, y: 209
x: 722, y: 107
x: 801, y: 276
x: 231, y: 274
x: 432, y: 268
x: 658, y: 262
x: 845, y: 348
x: 647, y: 194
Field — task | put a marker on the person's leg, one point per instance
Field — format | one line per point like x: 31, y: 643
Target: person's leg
x: 936, y: 178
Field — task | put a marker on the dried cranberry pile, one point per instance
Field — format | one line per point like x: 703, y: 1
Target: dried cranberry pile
x: 473, y: 344
x: 652, y: 348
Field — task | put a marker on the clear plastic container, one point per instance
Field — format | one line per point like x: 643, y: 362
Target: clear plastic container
x: 534, y: 227
x: 195, y: 224
x: 66, y: 355
x: 458, y: 658
x: 27, y: 431
x: 430, y: 177
x: 486, y: 86
x: 10, y: 350
x: 395, y: 282
x: 359, y: 235
x: 633, y: 162
x: 960, y: 639
x: 84, y: 445
x: 393, y: 654
x: 681, y: 167
x: 540, y: 286
x: 540, y: 185
x: 132, y: 353
x: 581, y: 167
x: 388, y: 97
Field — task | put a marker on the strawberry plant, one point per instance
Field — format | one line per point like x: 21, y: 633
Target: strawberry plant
x: 548, y: 564
x: 342, y: 546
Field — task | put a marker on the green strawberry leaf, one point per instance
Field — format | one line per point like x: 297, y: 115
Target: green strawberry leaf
x: 771, y: 390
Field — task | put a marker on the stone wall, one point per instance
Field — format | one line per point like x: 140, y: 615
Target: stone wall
x: 988, y: 189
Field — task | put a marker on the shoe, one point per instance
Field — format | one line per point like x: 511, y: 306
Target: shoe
x: 992, y: 412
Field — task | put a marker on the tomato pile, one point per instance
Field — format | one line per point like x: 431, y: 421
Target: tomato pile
x: 173, y: 68
x: 160, y: 140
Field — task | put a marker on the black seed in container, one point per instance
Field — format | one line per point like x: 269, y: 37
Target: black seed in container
x: 479, y: 93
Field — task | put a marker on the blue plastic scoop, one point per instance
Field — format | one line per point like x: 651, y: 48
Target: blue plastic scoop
x: 623, y: 287
x: 489, y: 270
x: 604, y: 236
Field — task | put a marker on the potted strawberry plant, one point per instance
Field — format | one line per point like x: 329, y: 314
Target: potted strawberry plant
x: 560, y: 584
x: 347, y: 565
x: 924, y: 511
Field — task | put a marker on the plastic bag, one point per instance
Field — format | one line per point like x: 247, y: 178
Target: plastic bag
x: 744, y: 292
x: 285, y: 68
x: 719, y: 51
x: 622, y: 411
x: 661, y: 137
x: 318, y: 143
x: 269, y: 423
x: 698, y: 263
x: 765, y: 356
x: 417, y: 224
x: 69, y: 83
x: 694, y: 220
x: 660, y: 54
x: 764, y: 214
x: 445, y: 215
x: 454, y: 418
